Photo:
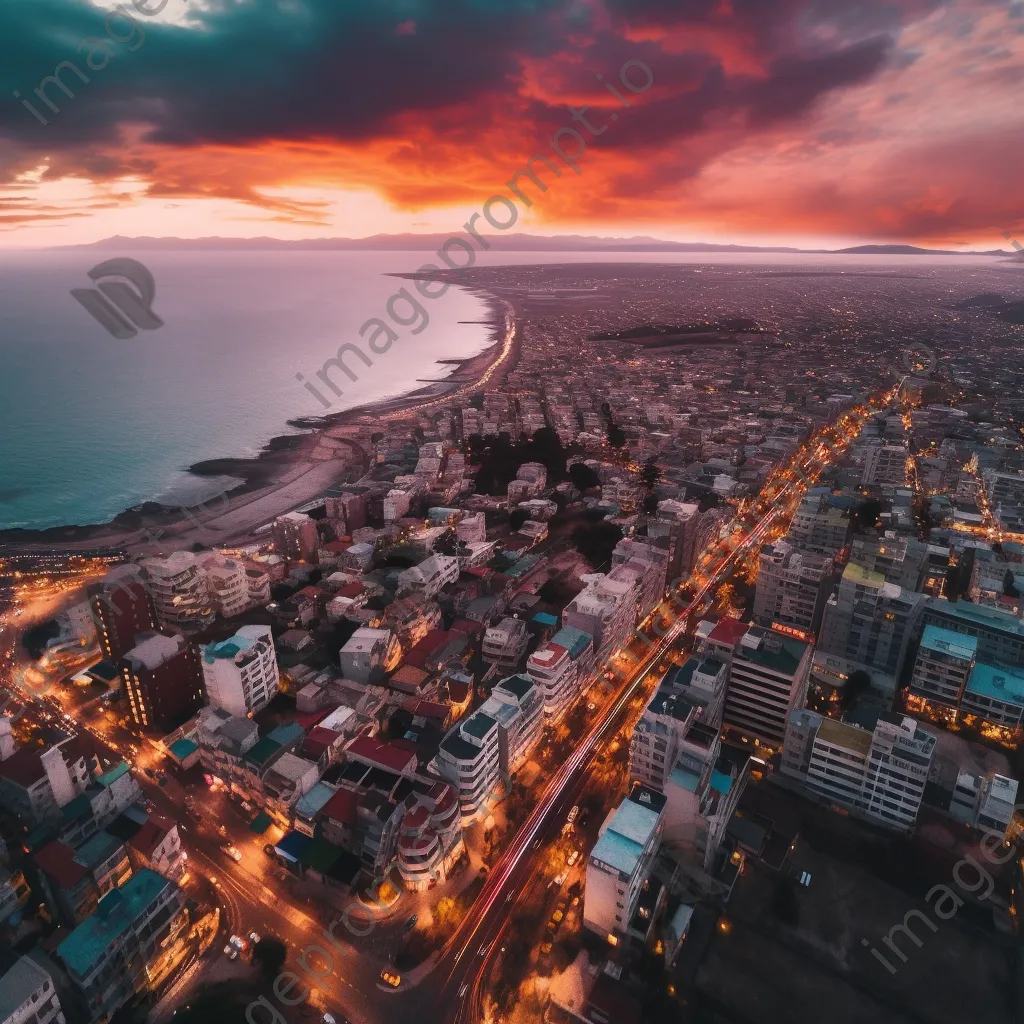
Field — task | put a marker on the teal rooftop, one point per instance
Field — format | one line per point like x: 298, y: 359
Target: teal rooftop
x: 115, y: 915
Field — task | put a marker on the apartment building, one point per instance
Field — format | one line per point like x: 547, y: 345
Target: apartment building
x: 35, y: 786
x: 677, y: 525
x: 1000, y: 634
x: 868, y: 625
x: 656, y: 738
x: 430, y: 576
x: 649, y: 564
x: 240, y: 673
x: 792, y: 588
x: 163, y: 680
x: 27, y: 993
x: 984, y: 800
x: 884, y: 464
x: 701, y: 795
x: 703, y: 681
x: 606, y: 609
x: 880, y: 775
x: 943, y: 666
x: 768, y: 678
x: 517, y: 705
x: 122, y: 949
x: 817, y: 528
x: 561, y: 668
x: 122, y: 608
x: 228, y: 583
x: 900, y: 560
x: 468, y: 758
x: 430, y: 841
x: 369, y: 654
x: 179, y: 590
x: 295, y: 537
x: 505, y: 644
x: 619, y: 866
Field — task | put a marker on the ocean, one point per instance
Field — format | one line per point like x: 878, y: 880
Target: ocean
x: 92, y: 425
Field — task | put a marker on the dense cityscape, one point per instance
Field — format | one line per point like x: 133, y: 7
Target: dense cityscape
x: 667, y: 664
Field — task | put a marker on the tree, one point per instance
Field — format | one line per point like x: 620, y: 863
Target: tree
x: 857, y: 683
x: 650, y: 474
x: 516, y: 518
x: 596, y: 541
x: 583, y: 477
x: 270, y: 954
x: 616, y: 435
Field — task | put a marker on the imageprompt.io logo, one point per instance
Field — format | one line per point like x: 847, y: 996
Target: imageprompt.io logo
x: 117, y: 306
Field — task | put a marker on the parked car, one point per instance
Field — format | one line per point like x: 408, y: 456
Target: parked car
x: 390, y: 978
x: 233, y: 852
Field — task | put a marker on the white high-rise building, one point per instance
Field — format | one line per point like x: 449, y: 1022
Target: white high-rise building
x: 179, y: 590
x: 606, y: 609
x: 561, y: 669
x: 227, y: 583
x: 879, y: 775
x: 620, y: 863
x: 792, y: 588
x: 28, y: 995
x: 241, y: 673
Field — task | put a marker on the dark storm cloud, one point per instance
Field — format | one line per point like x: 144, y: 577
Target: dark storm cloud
x: 347, y: 71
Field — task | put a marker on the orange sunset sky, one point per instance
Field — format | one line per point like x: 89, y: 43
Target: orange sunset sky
x: 792, y: 122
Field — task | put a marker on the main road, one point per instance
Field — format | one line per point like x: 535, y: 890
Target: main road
x: 464, y: 968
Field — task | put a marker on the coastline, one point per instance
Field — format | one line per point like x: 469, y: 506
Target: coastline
x: 291, y: 469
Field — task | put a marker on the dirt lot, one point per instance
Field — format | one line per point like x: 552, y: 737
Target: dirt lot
x: 764, y: 970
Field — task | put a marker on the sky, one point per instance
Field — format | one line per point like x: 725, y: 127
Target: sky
x: 768, y: 122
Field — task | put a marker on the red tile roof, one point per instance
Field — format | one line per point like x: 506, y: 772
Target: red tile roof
x: 342, y: 806
x: 394, y: 756
x: 23, y: 767
x: 151, y: 835
x: 729, y: 631
x: 58, y: 861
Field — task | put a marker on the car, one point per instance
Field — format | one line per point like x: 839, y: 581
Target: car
x: 268, y: 849
x: 390, y: 978
x: 545, y: 948
x: 254, y: 937
x: 536, y: 843
x: 573, y: 857
x: 230, y: 952
x: 222, y: 829
x: 150, y: 772
x: 233, y: 852
x: 410, y: 924
x: 237, y: 941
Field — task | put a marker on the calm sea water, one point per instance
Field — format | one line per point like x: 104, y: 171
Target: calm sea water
x: 92, y: 425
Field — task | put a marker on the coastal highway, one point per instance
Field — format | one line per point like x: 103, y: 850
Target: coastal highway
x: 468, y: 956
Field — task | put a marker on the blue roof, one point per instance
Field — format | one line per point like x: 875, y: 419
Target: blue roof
x: 945, y: 641
x: 287, y: 732
x: 721, y: 782
x: 113, y: 775
x: 294, y: 845
x: 685, y: 778
x: 575, y: 641
x: 622, y: 842
x: 545, y: 619
x: 96, y: 850
x: 115, y: 915
x: 314, y: 800
x: 181, y: 749
x: 1000, y: 682
x: 618, y: 851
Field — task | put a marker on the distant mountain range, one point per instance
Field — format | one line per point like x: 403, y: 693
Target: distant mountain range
x: 504, y: 243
